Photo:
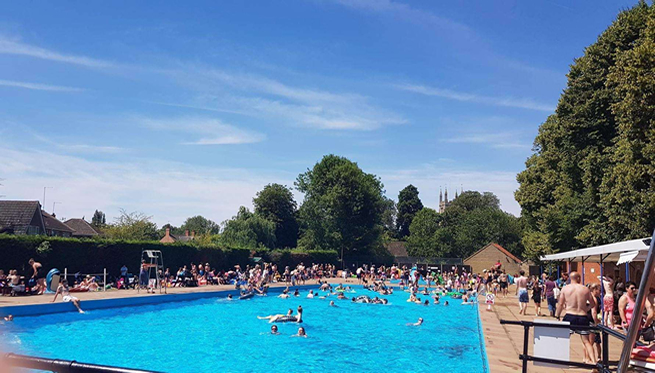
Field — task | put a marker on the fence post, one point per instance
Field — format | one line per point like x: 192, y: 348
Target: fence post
x: 104, y: 280
x: 526, y: 337
x: 65, y: 273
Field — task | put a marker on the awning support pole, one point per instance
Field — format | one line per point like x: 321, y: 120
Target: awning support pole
x: 627, y: 272
x: 633, y: 329
x: 583, y: 270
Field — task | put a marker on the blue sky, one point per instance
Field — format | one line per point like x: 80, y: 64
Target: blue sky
x: 176, y: 109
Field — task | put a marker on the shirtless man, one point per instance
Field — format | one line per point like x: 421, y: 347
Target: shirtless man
x: 608, y: 300
x: 65, y: 293
x: 502, y: 280
x: 522, y: 291
x: 577, y: 300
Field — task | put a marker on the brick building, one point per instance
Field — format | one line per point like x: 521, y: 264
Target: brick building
x: 493, y: 253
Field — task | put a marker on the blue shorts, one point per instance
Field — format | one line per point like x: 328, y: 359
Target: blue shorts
x: 523, y: 296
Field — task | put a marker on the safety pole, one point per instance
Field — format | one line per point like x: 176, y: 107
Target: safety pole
x: 65, y: 273
x: 104, y: 279
x: 633, y: 329
x: 602, y: 292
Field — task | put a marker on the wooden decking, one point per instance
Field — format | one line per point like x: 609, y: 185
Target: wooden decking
x: 504, y: 343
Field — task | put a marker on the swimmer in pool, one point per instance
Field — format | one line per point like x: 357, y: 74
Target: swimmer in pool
x: 296, y: 293
x: 341, y: 296
x: 332, y: 304
x: 445, y: 303
x: 418, y: 323
x: 311, y: 294
x: 229, y: 297
x: 275, y: 317
x: 285, y: 294
x: 274, y: 330
x: 301, y: 333
x: 9, y: 318
x: 426, y: 303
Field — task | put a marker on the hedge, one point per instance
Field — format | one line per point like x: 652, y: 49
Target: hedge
x: 92, y: 255
x: 292, y: 258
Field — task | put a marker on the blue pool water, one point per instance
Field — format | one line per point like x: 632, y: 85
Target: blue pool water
x: 217, y: 334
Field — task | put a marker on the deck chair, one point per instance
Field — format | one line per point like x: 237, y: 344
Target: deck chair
x: 643, y: 359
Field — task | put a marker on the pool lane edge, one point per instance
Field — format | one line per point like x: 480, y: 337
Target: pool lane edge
x: 129, y: 301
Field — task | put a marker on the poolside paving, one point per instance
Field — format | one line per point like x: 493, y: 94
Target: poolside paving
x: 504, y: 343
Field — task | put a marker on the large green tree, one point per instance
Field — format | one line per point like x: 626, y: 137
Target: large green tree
x: 200, y: 225
x: 98, y: 220
x: 132, y: 226
x: 470, y: 222
x: 342, y: 207
x: 591, y: 178
x: 275, y: 202
x: 248, y: 230
x: 408, y: 205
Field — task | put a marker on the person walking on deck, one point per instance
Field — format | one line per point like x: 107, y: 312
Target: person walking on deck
x: 522, y: 291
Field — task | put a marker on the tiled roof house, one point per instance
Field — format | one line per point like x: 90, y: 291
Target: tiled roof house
x: 21, y: 217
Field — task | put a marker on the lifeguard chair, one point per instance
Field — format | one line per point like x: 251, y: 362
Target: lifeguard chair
x: 154, y: 260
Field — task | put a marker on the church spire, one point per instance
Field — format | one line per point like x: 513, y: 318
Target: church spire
x: 446, y: 194
x: 440, y: 195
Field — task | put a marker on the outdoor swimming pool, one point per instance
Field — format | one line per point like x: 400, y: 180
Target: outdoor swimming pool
x: 217, y: 334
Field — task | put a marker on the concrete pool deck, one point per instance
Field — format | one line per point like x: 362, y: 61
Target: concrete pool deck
x: 504, y: 343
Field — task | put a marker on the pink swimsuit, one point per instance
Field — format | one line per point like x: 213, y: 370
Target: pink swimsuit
x: 629, y: 310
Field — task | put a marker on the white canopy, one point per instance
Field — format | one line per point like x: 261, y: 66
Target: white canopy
x: 610, y: 252
x: 633, y: 256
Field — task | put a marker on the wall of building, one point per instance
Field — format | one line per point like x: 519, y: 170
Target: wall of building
x: 486, y: 259
x: 591, y: 271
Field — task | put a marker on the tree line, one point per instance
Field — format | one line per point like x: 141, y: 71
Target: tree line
x: 344, y: 209
x: 591, y: 179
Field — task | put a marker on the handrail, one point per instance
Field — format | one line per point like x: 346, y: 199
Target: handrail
x: 64, y: 366
x: 602, y: 365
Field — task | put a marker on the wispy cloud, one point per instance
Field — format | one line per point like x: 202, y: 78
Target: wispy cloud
x: 263, y: 97
x: 169, y: 191
x: 211, y: 131
x: 8, y: 46
x: 38, y: 87
x: 75, y: 148
x: 406, y: 12
x: 521, y: 103
x: 498, y: 140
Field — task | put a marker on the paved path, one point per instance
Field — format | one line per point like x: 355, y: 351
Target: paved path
x: 504, y: 343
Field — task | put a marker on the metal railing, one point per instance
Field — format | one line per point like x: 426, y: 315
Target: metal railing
x: 63, y: 366
x: 604, y: 365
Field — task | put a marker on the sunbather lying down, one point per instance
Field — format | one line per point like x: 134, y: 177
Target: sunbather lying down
x: 272, y: 318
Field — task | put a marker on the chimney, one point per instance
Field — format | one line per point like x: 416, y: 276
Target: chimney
x: 186, y: 232
x: 193, y: 233
x: 53, y: 215
x: 168, y: 231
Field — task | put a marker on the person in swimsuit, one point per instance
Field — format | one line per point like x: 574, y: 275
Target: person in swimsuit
x: 522, y: 292
x: 271, y: 318
x: 301, y: 333
x: 536, y: 297
x: 274, y: 330
x: 577, y: 300
x: 627, y: 304
x: 608, y: 300
x: 65, y: 293
x: 502, y: 280
x: 38, y: 277
x: 418, y: 323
